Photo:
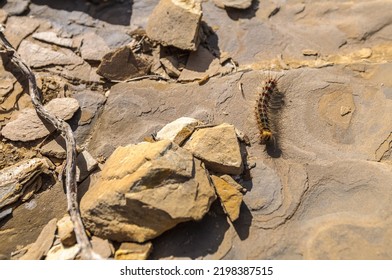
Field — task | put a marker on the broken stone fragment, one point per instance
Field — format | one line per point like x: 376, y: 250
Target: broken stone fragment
x: 93, y: 47
x: 178, y: 131
x: 65, y: 231
x: 59, y: 252
x: 19, y: 178
x: 28, y: 126
x: 133, y: 251
x: 41, y: 246
x: 85, y: 164
x: 145, y: 190
x: 122, y: 64
x: 218, y: 148
x: 238, y: 4
x: 54, y: 148
x: 176, y: 23
x: 51, y: 37
x: 102, y: 247
x: 229, y: 196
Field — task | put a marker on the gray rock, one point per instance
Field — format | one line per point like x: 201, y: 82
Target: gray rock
x: 55, y: 148
x: 37, y: 56
x: 93, y: 47
x: 175, y: 23
x: 51, y: 37
x: 102, y: 247
x: 28, y: 126
x: 85, y: 164
x: 16, y: 7
x: 144, y: 190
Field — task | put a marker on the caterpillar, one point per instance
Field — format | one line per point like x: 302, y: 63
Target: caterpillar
x: 269, y: 101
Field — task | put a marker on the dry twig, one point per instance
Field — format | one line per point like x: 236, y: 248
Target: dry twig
x: 66, y: 132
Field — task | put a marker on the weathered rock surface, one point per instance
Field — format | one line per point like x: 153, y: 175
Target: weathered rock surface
x: 16, y: 7
x: 230, y: 197
x: 19, y: 179
x: 41, y: 246
x: 59, y: 252
x: 160, y: 178
x: 122, y: 64
x: 93, y: 47
x: 28, y: 126
x: 238, y: 4
x: 85, y: 164
x: 102, y: 247
x: 176, y: 23
x: 54, y: 148
x: 218, y: 148
x: 65, y: 231
x: 51, y: 37
x: 18, y: 28
x: 178, y: 130
x: 37, y: 56
x: 133, y: 251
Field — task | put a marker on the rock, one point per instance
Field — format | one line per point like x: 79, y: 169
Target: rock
x: 59, y: 252
x: 65, y: 231
x: 133, y: 251
x: 176, y: 23
x: 102, y: 247
x: 85, y: 164
x: 178, y: 131
x: 4, y: 213
x: 52, y: 38
x: 171, y: 66
x: 19, y: 28
x: 17, y: 180
x: 218, y: 148
x: 16, y: 7
x: 200, y: 64
x: 6, y: 87
x: 122, y: 64
x: 3, y: 16
x: 229, y: 196
x: 309, y: 52
x: 36, y: 56
x: 144, y: 190
x: 238, y: 4
x: 93, y: 47
x: 91, y: 103
x: 41, y: 246
x: 55, y: 148
x: 28, y: 126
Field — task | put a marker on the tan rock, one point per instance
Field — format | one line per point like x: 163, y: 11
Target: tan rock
x: 178, y: 130
x: 59, y: 252
x: 218, y: 148
x: 85, y: 164
x: 28, y: 126
x: 229, y: 196
x: 65, y: 231
x: 238, y: 4
x: 121, y: 64
x: 43, y: 243
x: 54, y: 148
x: 93, y: 47
x: 133, y: 251
x: 102, y: 247
x: 176, y: 23
x: 144, y: 190
x: 19, y: 28
x: 51, y: 37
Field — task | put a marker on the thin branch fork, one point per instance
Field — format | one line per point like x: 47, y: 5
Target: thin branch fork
x: 66, y: 131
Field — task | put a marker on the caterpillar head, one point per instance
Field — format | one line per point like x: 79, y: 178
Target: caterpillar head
x: 266, y: 136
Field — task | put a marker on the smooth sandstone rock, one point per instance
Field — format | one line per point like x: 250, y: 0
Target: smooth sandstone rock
x: 178, y: 130
x: 238, y: 4
x: 102, y: 247
x: 59, y: 252
x: 176, y: 23
x: 65, y: 231
x: 28, y: 126
x: 218, y: 148
x: 144, y: 190
x: 229, y: 196
x: 133, y: 251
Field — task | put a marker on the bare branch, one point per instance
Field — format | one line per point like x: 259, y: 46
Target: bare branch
x: 66, y: 132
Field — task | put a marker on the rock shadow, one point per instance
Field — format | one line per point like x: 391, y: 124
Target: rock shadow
x: 113, y: 12
x: 237, y: 14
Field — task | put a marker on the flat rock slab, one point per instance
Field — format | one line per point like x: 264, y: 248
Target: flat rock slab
x: 51, y: 37
x: 238, y: 4
x: 28, y: 126
x: 178, y: 130
x: 175, y: 23
x: 133, y: 251
x: 218, y: 148
x: 144, y: 190
x: 93, y: 47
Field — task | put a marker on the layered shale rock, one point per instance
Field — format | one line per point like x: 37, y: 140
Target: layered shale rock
x: 144, y: 190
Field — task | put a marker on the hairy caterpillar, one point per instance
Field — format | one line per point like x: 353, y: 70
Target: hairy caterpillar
x: 269, y: 101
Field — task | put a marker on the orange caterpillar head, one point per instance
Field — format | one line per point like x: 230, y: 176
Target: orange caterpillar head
x: 266, y: 136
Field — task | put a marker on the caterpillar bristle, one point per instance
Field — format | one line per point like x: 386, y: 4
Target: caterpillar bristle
x: 269, y: 101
